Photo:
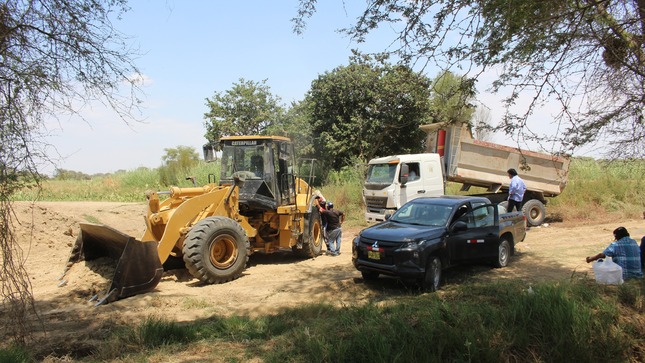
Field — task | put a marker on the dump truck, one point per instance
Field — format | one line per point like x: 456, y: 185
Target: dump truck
x: 453, y: 155
x: 259, y: 205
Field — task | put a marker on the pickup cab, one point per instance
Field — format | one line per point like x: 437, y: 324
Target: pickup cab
x: 427, y: 235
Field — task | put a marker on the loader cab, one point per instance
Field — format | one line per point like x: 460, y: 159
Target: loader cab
x: 266, y: 164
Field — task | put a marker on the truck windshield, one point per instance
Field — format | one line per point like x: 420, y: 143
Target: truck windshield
x: 381, y: 173
x: 423, y: 214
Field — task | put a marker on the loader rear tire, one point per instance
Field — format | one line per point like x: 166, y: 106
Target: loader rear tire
x: 216, y: 250
x: 313, y: 240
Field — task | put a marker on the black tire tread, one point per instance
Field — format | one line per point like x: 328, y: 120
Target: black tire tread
x: 202, y: 232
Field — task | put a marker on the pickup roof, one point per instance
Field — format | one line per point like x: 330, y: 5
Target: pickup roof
x: 427, y: 235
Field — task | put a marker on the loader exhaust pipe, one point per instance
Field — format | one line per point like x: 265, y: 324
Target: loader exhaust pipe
x: 137, y: 269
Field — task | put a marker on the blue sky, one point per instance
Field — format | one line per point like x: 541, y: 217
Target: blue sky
x: 194, y: 48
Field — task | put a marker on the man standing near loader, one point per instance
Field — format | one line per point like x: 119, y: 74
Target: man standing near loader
x: 334, y: 219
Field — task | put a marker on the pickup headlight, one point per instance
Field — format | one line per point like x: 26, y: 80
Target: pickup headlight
x: 412, y: 245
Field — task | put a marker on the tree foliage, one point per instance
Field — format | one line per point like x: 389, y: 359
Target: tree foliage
x: 56, y: 56
x: 586, y: 55
x: 368, y: 108
x: 248, y: 108
x: 451, y: 100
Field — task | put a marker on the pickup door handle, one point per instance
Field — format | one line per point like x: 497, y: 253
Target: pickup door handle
x: 421, y: 191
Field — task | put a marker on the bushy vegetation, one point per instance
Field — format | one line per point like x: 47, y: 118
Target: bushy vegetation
x: 595, y: 187
x: 123, y: 186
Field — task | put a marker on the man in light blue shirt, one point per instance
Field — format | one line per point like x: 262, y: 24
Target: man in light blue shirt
x: 515, y: 191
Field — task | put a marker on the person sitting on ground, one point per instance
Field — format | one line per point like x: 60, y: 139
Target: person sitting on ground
x: 625, y: 252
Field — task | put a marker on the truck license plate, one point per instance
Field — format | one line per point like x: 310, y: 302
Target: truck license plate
x: 373, y: 255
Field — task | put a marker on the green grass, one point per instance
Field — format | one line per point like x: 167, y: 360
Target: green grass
x: 474, y: 322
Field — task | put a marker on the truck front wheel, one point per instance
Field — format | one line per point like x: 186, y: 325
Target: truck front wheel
x: 432, y: 278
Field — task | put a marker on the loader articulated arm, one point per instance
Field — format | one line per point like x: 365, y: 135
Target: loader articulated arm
x: 169, y: 221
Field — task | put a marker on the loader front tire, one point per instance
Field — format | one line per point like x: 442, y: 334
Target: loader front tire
x: 312, y: 236
x: 216, y: 250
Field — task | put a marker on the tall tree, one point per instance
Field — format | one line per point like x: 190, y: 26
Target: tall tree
x: 587, y: 55
x: 452, y: 97
x: 368, y: 108
x: 248, y: 108
x: 296, y: 125
x: 56, y: 55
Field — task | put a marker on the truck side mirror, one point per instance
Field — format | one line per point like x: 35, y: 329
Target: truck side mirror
x: 459, y: 226
x: 403, y: 175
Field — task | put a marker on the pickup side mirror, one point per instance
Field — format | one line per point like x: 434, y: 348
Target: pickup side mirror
x: 388, y: 214
x: 459, y: 226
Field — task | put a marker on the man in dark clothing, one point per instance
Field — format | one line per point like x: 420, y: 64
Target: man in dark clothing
x: 334, y: 219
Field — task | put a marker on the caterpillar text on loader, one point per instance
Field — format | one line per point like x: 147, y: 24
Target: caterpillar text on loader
x: 259, y: 205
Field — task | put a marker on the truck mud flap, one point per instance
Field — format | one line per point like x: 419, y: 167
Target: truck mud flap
x: 137, y: 265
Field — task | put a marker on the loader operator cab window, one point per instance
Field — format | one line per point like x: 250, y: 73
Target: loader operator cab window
x: 284, y: 166
x: 257, y: 165
x: 242, y: 160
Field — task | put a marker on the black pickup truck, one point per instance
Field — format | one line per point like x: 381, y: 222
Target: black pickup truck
x: 427, y: 235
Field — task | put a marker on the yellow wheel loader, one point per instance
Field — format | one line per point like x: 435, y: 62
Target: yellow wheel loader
x: 259, y: 205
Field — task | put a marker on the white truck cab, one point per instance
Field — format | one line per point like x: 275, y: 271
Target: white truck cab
x: 394, y: 180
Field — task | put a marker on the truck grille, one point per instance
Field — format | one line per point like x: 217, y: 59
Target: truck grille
x: 375, y: 202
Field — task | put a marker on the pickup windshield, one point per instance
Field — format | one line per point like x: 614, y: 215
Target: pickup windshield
x: 381, y: 173
x: 422, y: 214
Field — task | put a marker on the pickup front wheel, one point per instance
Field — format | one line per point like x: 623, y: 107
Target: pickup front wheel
x: 432, y: 278
x: 503, y: 253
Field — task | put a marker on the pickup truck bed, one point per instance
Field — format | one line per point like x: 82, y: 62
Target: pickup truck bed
x: 427, y: 235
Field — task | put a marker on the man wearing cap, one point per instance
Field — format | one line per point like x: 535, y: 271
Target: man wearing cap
x: 625, y: 252
x: 516, y: 191
x: 334, y: 219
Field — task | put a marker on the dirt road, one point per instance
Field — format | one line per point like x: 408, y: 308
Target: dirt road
x: 46, y: 232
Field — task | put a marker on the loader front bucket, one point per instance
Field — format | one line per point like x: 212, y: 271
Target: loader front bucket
x: 137, y: 265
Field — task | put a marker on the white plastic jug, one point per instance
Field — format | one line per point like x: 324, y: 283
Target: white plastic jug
x: 608, y: 272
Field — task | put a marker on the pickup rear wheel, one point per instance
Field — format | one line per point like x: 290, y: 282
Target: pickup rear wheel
x: 432, y: 278
x: 503, y: 253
